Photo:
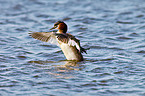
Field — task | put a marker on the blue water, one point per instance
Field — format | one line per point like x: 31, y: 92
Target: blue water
x: 112, y: 31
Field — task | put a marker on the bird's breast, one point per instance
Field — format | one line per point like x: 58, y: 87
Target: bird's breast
x: 71, y: 52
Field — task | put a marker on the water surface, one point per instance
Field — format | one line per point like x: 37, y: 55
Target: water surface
x: 112, y: 30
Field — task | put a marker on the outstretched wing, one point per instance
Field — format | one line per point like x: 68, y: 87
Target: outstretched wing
x: 45, y: 37
x: 53, y: 38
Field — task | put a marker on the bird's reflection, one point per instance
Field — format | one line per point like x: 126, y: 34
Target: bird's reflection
x: 60, y: 69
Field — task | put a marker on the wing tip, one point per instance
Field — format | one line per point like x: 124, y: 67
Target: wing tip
x: 83, y: 50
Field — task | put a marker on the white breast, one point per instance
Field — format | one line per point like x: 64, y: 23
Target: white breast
x: 71, y: 53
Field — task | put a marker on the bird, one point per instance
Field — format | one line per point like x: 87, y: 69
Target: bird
x: 69, y: 45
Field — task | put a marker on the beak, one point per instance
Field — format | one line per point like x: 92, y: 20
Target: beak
x: 52, y: 28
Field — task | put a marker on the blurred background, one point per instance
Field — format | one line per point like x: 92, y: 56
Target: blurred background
x: 113, y: 31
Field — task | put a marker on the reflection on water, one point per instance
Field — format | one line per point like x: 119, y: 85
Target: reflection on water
x: 59, y: 71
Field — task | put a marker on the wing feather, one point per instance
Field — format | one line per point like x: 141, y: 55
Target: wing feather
x: 69, y: 39
x: 53, y: 38
x: 45, y: 37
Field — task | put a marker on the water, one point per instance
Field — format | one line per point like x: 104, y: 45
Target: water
x: 113, y: 31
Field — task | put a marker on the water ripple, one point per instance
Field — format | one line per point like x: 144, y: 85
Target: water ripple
x: 111, y: 31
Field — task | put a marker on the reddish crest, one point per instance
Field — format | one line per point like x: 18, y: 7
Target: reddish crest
x: 62, y: 27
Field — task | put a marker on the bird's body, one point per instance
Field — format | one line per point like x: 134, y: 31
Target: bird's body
x: 70, y: 52
x: 68, y: 43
